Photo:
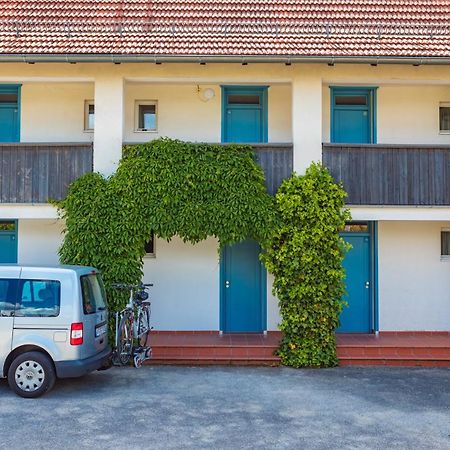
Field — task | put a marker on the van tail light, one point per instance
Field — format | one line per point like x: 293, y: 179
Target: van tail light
x: 76, y: 334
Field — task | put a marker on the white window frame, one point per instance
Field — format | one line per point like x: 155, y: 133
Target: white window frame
x: 443, y: 257
x: 86, y: 128
x: 136, y: 115
x: 442, y: 105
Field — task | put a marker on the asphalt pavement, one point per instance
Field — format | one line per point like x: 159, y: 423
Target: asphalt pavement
x: 160, y: 407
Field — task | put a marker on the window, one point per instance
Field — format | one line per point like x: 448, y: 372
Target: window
x: 444, y: 118
x: 7, y: 225
x: 244, y: 99
x: 150, y: 246
x: 356, y: 227
x: 445, y: 243
x: 8, y: 295
x: 39, y: 298
x: 145, y: 116
x: 93, y: 293
x: 89, y: 115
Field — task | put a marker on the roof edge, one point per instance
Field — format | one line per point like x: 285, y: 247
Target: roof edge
x: 159, y: 59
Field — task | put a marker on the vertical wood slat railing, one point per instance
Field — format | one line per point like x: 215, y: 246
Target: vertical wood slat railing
x: 276, y: 160
x: 382, y: 174
x: 38, y: 172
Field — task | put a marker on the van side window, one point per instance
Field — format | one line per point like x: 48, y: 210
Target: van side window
x: 8, y: 294
x: 39, y: 298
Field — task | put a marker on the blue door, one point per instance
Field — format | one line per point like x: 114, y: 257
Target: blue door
x: 243, y: 299
x: 243, y: 278
x: 9, y: 113
x: 8, y: 242
x: 244, y: 112
x: 357, y: 316
x: 353, y: 116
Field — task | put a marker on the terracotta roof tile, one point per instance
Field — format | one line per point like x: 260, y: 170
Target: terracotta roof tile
x: 418, y: 28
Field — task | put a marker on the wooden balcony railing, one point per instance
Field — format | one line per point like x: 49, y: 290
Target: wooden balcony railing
x: 35, y: 173
x: 277, y: 162
x: 383, y: 174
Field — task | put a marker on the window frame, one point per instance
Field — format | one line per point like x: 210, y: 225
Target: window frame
x: 444, y: 257
x: 138, y: 103
x: 442, y: 105
x: 151, y: 255
x: 87, y: 104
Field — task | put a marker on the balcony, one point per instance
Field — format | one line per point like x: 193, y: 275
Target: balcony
x: 36, y: 173
x: 394, y: 175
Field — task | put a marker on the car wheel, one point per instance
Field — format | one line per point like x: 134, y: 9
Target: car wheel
x: 31, y: 374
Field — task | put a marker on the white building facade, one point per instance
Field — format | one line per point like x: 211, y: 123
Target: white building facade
x: 381, y: 124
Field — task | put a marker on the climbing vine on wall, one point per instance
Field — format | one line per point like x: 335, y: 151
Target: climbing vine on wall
x: 169, y: 187
x: 305, y: 256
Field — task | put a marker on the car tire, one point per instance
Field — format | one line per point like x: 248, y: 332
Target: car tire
x: 31, y: 374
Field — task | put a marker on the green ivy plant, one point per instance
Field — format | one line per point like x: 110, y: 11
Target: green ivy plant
x: 305, y: 256
x: 168, y: 187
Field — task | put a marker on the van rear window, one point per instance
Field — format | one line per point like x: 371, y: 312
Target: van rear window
x: 93, y: 293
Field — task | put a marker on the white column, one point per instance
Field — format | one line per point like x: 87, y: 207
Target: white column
x: 108, y: 133
x: 306, y: 119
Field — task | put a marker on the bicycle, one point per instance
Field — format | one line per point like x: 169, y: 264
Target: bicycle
x: 133, y: 324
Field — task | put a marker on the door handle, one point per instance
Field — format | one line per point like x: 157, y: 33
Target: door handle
x: 227, y: 284
x: 367, y: 284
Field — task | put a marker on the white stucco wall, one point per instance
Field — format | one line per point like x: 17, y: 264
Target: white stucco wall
x: 38, y: 241
x: 182, y: 114
x: 185, y: 295
x: 414, y: 284
x: 405, y: 114
x: 54, y: 112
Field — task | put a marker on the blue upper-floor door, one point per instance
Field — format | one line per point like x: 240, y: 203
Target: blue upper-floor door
x: 244, y: 114
x: 9, y: 113
x: 353, y: 115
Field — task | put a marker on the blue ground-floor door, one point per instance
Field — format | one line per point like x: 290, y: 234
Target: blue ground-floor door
x: 243, y: 290
x: 8, y: 241
x: 357, y: 316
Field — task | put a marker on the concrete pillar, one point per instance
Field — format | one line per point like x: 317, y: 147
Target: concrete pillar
x: 109, y: 118
x: 306, y: 118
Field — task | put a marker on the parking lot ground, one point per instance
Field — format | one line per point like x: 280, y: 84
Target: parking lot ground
x: 167, y: 407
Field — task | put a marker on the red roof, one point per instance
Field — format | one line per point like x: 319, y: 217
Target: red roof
x: 297, y: 28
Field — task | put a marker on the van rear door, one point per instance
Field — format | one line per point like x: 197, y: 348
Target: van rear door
x: 95, y: 314
x: 9, y: 279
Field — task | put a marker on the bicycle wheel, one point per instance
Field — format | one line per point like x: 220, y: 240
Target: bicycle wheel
x: 125, y: 340
x: 143, y: 325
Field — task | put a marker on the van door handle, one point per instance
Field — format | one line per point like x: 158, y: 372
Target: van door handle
x: 367, y: 284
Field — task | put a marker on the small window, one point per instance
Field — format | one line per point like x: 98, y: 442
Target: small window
x: 89, y: 115
x: 444, y: 118
x: 7, y: 225
x: 150, y: 246
x: 8, y: 295
x: 351, y: 100
x: 8, y: 98
x: 353, y: 227
x: 146, y: 116
x: 445, y: 244
x: 39, y: 298
x: 243, y: 99
x: 93, y: 293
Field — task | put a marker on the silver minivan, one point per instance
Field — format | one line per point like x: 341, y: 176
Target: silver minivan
x: 53, y: 324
